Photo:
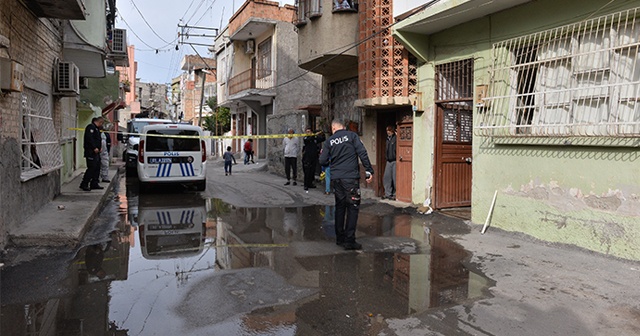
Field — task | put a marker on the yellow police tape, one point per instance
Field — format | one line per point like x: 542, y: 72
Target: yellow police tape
x: 256, y: 136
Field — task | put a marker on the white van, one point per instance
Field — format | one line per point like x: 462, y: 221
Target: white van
x: 172, y: 154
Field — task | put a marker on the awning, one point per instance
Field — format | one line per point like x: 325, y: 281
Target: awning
x: 116, y: 105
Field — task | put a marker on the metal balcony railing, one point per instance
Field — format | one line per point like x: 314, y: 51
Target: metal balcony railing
x: 251, y: 79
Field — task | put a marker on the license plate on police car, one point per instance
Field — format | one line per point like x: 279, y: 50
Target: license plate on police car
x: 154, y: 160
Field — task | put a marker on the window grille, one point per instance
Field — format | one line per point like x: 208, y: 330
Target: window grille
x: 454, y: 95
x: 40, y: 147
x: 581, y: 79
x: 342, y: 98
x: 264, y: 59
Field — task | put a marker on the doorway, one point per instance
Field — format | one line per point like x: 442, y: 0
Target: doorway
x: 401, y: 120
x: 386, y: 118
x: 454, y: 133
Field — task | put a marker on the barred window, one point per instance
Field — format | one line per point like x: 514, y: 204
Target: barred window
x: 40, y: 147
x: 264, y: 59
x: 581, y: 79
x: 342, y: 98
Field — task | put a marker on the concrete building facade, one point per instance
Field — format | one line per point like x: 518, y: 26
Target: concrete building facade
x: 37, y: 109
x: 196, y: 69
x: 535, y: 102
x: 368, y: 78
x: 259, y: 78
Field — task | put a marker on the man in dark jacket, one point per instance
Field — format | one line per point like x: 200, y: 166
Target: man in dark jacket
x: 389, y: 177
x: 310, y: 152
x: 92, y: 148
x: 341, y: 151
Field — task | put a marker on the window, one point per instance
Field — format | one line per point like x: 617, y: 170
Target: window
x: 222, y: 71
x: 264, y: 59
x: 164, y: 143
x: 577, y: 80
x: 307, y: 9
x: 40, y: 146
x: 345, y: 5
x: 342, y: 98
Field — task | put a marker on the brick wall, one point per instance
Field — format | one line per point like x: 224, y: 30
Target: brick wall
x: 35, y: 43
x: 263, y: 9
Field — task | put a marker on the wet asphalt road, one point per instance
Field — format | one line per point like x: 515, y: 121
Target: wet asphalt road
x: 180, y: 264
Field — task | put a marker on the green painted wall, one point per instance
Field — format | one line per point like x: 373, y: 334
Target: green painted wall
x: 588, y: 196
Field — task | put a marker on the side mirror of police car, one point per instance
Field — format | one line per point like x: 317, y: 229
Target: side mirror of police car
x: 121, y: 137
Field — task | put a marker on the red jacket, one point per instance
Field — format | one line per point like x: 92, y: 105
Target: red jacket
x: 247, y: 146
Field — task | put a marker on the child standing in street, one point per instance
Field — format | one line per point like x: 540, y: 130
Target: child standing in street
x: 228, y: 158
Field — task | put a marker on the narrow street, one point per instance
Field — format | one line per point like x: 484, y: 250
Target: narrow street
x: 256, y: 258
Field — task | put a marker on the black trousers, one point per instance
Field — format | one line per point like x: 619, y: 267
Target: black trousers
x: 309, y: 169
x: 346, y: 229
x: 291, y: 163
x: 92, y: 175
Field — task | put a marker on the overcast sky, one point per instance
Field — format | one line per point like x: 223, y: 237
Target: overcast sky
x: 158, y: 60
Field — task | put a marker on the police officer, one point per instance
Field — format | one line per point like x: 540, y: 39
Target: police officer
x: 341, y: 152
x: 92, y: 149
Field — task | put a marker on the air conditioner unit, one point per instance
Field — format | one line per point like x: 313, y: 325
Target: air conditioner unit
x: 119, y: 41
x: 67, y: 78
x: 11, y: 75
x: 250, y: 46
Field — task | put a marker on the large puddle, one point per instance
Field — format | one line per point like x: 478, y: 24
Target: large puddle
x: 177, y: 264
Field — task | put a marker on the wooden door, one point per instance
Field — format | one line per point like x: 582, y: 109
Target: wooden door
x: 404, y: 161
x: 453, y: 155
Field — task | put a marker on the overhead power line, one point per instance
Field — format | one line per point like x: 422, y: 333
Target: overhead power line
x: 147, y: 22
x: 151, y: 48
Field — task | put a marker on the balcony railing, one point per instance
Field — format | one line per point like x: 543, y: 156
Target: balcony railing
x: 251, y: 79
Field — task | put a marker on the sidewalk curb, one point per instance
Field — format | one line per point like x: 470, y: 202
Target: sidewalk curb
x: 55, y: 227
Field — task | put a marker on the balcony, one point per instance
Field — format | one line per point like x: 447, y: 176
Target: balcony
x: 324, y: 42
x: 85, y: 40
x: 261, y: 81
x: 61, y: 9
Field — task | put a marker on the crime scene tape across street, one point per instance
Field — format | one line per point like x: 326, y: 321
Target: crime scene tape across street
x: 258, y: 136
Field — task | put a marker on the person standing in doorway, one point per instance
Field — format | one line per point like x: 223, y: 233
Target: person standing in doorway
x: 228, y: 159
x: 310, y: 153
x: 341, y: 151
x: 92, y: 148
x: 389, y: 177
x: 291, y: 150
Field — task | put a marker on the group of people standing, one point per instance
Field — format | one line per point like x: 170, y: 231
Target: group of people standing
x: 97, y: 145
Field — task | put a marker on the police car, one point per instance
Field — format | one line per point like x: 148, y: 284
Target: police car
x: 172, y: 154
x: 132, y: 140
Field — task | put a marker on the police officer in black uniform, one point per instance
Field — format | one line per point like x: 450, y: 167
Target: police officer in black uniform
x: 92, y: 148
x: 341, y: 151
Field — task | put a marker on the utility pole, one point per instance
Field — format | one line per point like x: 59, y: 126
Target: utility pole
x: 204, y: 77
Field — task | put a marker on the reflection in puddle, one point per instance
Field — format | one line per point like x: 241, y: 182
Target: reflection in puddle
x: 203, y: 267
x: 386, y: 283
